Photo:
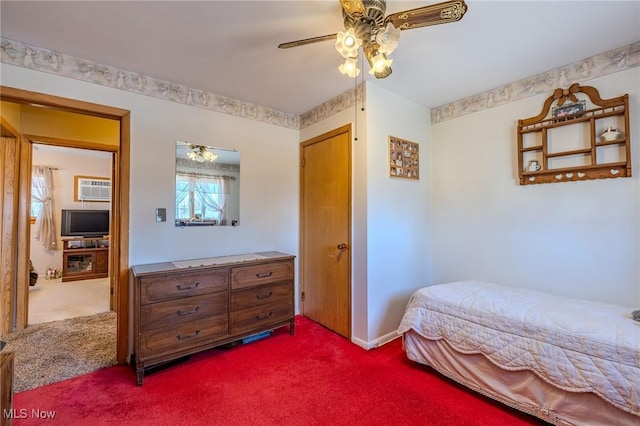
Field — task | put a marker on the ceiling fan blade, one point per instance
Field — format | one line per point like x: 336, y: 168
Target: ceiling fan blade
x: 307, y: 41
x: 434, y: 14
x: 353, y: 7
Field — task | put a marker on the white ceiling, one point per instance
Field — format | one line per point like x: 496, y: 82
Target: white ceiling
x: 230, y: 47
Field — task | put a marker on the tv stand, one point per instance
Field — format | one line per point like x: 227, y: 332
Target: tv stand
x: 85, y: 258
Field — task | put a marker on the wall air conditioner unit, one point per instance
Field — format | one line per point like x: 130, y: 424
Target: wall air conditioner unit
x: 92, y: 188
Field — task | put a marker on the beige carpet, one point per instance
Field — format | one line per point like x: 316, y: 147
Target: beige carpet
x: 58, y: 350
x: 53, y: 300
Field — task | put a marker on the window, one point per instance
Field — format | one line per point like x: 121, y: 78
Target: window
x: 200, y: 198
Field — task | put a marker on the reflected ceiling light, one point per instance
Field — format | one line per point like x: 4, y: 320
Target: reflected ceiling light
x: 201, y: 154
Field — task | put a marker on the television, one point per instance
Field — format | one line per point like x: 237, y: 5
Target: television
x: 84, y: 223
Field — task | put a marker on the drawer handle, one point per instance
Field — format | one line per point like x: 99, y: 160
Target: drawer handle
x: 193, y: 311
x: 264, y: 275
x: 189, y: 287
x: 261, y: 317
x: 187, y: 336
x: 264, y: 296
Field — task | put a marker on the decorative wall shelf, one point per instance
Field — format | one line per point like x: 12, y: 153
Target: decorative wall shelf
x: 571, y: 147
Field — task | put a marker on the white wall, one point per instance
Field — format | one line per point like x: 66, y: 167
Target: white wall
x: 69, y: 163
x: 269, y: 171
x: 398, y: 224
x: 268, y: 184
x: 579, y: 239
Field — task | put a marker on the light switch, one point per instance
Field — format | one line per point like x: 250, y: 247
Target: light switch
x: 161, y: 214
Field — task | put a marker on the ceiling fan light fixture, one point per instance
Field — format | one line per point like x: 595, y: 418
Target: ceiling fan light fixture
x: 350, y: 67
x: 347, y: 44
x: 388, y: 39
x: 378, y: 34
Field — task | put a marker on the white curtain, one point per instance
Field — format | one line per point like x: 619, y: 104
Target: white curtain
x: 182, y: 192
x: 42, y: 192
x: 211, y: 193
x: 202, y: 196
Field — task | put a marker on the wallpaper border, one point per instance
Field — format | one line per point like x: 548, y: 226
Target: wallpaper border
x: 340, y: 103
x: 27, y: 56
x: 613, y: 61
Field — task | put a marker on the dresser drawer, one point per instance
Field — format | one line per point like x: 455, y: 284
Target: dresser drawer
x: 156, y: 289
x: 260, y: 317
x: 261, y: 295
x: 179, y: 311
x: 181, y: 337
x: 246, y: 276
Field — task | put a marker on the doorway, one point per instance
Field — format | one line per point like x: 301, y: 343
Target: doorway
x: 325, y: 235
x: 15, y: 285
x: 72, y: 271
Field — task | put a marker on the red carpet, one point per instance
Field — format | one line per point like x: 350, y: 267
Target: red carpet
x: 313, y: 378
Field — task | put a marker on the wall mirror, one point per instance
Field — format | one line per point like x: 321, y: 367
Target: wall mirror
x: 207, y: 186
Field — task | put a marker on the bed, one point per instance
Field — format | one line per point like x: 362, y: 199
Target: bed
x: 566, y: 361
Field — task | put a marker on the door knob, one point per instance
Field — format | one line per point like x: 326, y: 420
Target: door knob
x: 342, y: 247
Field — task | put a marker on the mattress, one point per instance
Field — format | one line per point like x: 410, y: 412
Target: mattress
x: 572, y: 344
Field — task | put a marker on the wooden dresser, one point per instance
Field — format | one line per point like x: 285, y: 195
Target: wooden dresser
x: 189, y: 306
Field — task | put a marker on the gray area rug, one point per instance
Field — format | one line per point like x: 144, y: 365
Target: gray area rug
x: 58, y: 350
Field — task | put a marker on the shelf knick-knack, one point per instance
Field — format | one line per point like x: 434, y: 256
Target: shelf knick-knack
x: 610, y: 134
x: 534, y: 166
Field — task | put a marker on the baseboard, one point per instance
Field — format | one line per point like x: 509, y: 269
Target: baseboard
x: 382, y: 340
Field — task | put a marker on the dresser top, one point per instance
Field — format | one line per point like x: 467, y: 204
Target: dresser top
x: 185, y: 265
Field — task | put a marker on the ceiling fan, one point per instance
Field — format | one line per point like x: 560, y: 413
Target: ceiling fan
x: 367, y: 27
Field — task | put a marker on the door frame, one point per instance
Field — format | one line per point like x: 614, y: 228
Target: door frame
x: 8, y: 222
x: 347, y: 128
x: 69, y: 143
x: 119, y: 203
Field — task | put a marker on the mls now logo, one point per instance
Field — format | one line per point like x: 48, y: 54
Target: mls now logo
x: 23, y: 413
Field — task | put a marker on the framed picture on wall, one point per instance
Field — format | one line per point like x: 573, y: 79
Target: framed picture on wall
x: 404, y: 159
x: 91, y: 188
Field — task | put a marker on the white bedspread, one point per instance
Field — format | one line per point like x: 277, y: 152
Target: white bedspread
x: 576, y: 345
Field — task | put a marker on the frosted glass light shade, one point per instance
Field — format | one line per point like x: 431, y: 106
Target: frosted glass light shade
x: 388, y: 39
x: 347, y: 43
x: 380, y: 64
x: 350, y: 67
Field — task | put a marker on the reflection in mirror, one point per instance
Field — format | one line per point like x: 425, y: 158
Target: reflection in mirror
x: 207, y: 186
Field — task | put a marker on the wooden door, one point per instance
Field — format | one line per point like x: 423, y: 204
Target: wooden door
x: 325, y: 244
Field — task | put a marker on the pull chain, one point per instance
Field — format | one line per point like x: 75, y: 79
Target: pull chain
x: 355, y: 101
